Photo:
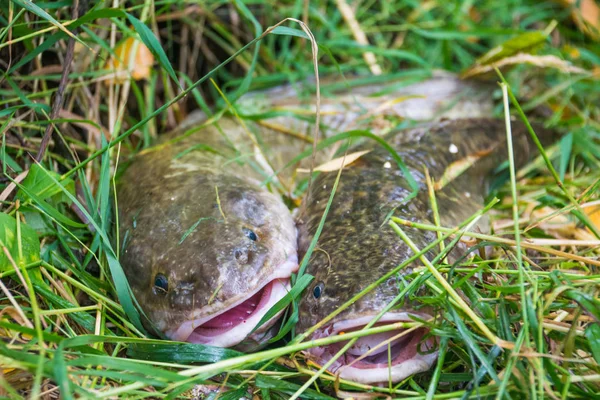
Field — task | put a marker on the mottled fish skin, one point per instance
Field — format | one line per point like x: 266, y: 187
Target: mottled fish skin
x: 356, y: 247
x: 164, y: 193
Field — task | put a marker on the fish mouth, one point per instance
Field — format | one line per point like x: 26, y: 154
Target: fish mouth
x: 235, y: 323
x: 377, y: 358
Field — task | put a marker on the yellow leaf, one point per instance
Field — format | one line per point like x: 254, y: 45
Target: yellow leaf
x: 337, y: 163
x: 138, y: 65
x: 586, y: 14
x: 593, y: 213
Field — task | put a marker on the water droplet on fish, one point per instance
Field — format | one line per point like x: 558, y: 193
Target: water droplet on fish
x: 453, y: 149
x: 387, y: 165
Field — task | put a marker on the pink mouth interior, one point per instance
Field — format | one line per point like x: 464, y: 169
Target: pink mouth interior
x: 402, y: 349
x: 232, y: 317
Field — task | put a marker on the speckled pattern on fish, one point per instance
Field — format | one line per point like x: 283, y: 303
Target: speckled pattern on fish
x: 356, y: 247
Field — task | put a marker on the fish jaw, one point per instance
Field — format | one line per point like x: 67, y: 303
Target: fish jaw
x: 410, y: 353
x: 229, y: 327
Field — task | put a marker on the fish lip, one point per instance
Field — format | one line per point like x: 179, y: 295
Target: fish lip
x: 348, y: 367
x: 277, y: 284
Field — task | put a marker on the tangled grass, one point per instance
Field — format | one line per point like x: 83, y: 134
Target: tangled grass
x: 68, y: 325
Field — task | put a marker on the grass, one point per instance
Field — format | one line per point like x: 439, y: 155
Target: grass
x: 521, y: 322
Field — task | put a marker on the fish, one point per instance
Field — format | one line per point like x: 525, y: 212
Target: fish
x: 357, y: 103
x: 207, y: 248
x: 357, y: 246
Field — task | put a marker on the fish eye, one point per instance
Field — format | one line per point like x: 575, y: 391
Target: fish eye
x: 161, y: 284
x: 318, y: 290
x: 250, y: 234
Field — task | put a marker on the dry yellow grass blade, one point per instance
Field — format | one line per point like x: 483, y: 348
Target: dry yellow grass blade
x: 337, y: 163
x: 455, y: 169
x: 523, y: 58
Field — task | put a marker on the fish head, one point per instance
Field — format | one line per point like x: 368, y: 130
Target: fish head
x: 397, y: 353
x: 207, y: 256
x: 354, y: 250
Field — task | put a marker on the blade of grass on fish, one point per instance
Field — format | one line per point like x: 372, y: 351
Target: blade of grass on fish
x: 433, y: 203
x: 345, y: 347
x: 354, y: 134
x: 394, y: 271
x: 301, y: 283
x: 551, y: 168
x: 515, y: 210
x: 313, y: 242
x: 401, y: 295
x: 262, y: 159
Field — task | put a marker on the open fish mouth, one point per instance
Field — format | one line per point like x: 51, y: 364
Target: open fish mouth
x: 377, y: 358
x: 234, y: 324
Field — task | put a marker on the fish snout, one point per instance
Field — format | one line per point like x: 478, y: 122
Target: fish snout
x: 246, y: 256
x: 182, y: 295
x: 243, y: 255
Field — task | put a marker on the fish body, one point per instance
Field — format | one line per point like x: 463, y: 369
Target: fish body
x: 356, y: 246
x: 207, y: 250
x: 379, y: 107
